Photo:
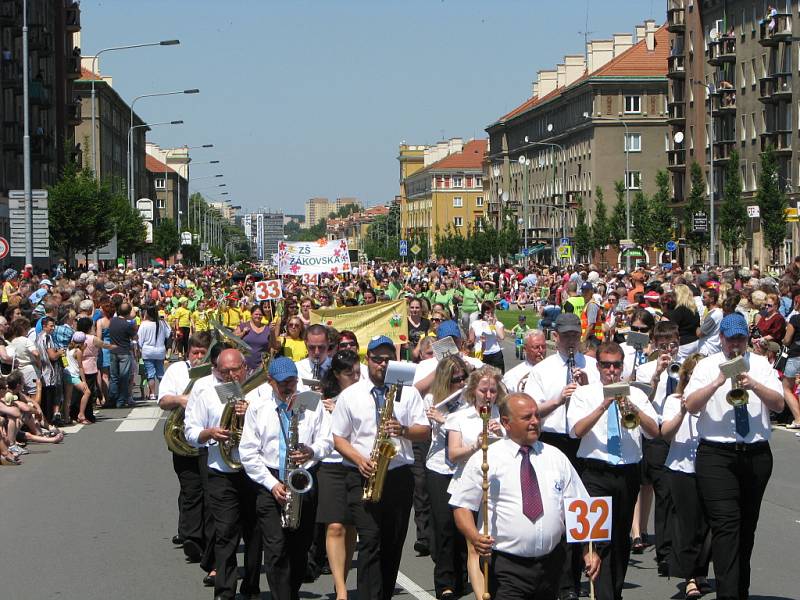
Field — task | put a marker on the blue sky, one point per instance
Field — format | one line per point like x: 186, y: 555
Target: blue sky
x: 310, y: 98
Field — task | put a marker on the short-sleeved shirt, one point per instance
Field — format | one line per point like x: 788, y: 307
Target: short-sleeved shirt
x: 121, y: 333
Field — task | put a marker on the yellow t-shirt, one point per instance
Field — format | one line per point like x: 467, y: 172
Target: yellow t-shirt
x: 181, y: 316
x: 8, y: 289
x: 295, y: 349
x: 200, y: 320
x: 231, y: 317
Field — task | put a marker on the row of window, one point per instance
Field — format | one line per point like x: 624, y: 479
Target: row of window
x: 458, y: 201
x: 444, y: 182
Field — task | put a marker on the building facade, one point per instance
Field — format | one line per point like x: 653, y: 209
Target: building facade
x: 441, y: 189
x: 316, y: 209
x: 169, y: 188
x: 354, y: 227
x: 264, y: 230
x: 571, y: 136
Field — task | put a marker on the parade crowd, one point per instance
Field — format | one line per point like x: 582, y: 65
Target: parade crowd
x: 657, y: 387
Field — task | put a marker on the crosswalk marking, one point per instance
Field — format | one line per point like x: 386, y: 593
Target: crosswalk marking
x: 412, y: 588
x: 72, y: 428
x: 144, y: 418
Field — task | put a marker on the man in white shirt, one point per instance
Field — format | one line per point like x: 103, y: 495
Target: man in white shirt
x: 611, y: 455
x: 535, y: 348
x: 708, y: 342
x: 734, y: 460
x: 318, y: 345
x: 263, y: 450
x: 381, y: 525
x: 528, y: 482
x: 231, y: 493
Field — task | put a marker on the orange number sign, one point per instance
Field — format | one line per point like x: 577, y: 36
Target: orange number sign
x: 588, y: 519
x: 268, y: 290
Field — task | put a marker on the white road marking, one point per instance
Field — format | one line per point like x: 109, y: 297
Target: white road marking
x: 72, y: 428
x: 144, y: 418
x: 412, y: 588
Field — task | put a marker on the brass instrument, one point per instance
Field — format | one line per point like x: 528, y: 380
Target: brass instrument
x: 174, y: 434
x: 485, y: 412
x: 383, y: 450
x: 674, y: 369
x: 732, y: 369
x: 298, y: 480
x: 628, y: 416
x: 226, y: 335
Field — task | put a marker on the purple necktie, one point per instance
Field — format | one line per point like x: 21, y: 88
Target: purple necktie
x: 529, y: 486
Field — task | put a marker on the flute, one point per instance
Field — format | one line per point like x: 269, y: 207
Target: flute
x: 485, y: 414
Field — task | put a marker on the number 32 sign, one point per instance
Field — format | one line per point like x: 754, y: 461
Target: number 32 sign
x: 268, y: 290
x: 588, y: 519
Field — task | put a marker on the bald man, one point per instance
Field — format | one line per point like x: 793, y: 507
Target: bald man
x: 535, y: 348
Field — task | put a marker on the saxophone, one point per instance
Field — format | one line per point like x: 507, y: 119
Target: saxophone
x: 383, y: 450
x: 298, y: 480
x: 174, y: 434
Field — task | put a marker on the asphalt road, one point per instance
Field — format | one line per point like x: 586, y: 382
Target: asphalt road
x: 92, y: 519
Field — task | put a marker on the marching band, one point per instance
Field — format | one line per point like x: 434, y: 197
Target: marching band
x: 322, y: 450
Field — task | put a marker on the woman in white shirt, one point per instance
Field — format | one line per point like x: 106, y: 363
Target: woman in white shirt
x: 153, y: 334
x: 691, y: 534
x: 464, y: 437
x: 485, y: 335
x: 449, y: 548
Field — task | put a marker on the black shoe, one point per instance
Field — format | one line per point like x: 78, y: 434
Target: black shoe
x: 326, y: 569
x: 177, y: 540
x: 448, y: 595
x: 312, y: 573
x: 569, y: 596
x: 421, y: 548
x: 638, y: 546
x: 208, y: 580
x: 193, y: 551
x: 663, y: 569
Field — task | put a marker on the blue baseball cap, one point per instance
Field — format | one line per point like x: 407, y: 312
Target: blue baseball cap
x: 282, y: 368
x: 734, y: 324
x: 378, y: 341
x: 448, y: 329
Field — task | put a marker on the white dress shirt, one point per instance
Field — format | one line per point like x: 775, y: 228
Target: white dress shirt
x: 548, y: 379
x: 259, y: 449
x: 355, y: 418
x: 513, y: 532
x: 716, y: 421
x: 428, y: 366
x: 469, y: 424
x: 644, y: 374
x: 629, y: 357
x: 305, y: 370
x: 708, y: 343
x: 437, y: 459
x: 595, y: 443
x: 204, y: 410
x: 175, y: 380
x: 514, y: 376
x: 683, y: 447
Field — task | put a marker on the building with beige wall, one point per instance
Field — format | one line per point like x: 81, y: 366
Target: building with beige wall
x: 354, y: 227
x: 316, y: 209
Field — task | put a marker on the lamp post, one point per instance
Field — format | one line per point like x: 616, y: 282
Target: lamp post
x: 210, y: 162
x: 94, y: 111
x: 131, y: 195
x: 712, y: 254
x: 26, y: 141
x: 130, y: 139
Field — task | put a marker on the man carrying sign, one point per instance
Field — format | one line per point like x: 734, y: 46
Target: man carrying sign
x: 528, y: 483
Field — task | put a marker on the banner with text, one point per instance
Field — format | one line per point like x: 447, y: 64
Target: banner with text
x: 384, y: 318
x: 322, y: 256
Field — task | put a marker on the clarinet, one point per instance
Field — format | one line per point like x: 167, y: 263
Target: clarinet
x: 570, y: 380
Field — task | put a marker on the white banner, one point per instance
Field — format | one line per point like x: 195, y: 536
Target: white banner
x: 322, y: 256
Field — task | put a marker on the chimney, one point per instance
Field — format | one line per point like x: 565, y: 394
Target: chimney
x: 602, y: 52
x: 650, y: 34
x: 547, y: 82
x: 640, y: 31
x: 561, y: 75
x: 455, y: 145
x: 535, y: 89
x: 575, y: 65
x: 622, y: 41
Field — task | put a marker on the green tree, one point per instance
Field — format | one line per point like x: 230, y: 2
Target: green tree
x: 733, y: 213
x: 600, y: 226
x: 641, y: 224
x: 618, y: 229
x: 696, y: 202
x: 660, y: 212
x: 584, y: 245
x: 129, y: 226
x: 772, y: 204
x: 166, y: 239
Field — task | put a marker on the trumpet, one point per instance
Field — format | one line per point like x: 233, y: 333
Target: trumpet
x: 674, y: 369
x: 732, y: 369
x: 628, y: 416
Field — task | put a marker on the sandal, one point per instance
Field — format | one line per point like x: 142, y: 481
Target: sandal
x: 692, y: 590
x: 792, y: 425
x: 638, y: 546
x: 10, y: 460
x: 84, y: 421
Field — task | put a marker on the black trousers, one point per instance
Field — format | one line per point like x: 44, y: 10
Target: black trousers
x: 285, y: 551
x: 422, y: 503
x: 448, y: 548
x: 382, y: 528
x: 691, y: 543
x: 208, y: 562
x: 572, y: 568
x: 190, y: 498
x: 655, y: 455
x: 515, y: 577
x: 496, y: 360
x: 732, y: 480
x: 233, y: 502
x: 622, y: 484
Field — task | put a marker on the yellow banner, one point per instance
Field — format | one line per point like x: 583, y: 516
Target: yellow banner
x: 384, y: 318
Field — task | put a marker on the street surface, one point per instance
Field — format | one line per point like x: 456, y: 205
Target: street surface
x: 92, y: 519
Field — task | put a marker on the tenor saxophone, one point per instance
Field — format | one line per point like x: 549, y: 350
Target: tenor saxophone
x: 383, y: 450
x: 298, y: 480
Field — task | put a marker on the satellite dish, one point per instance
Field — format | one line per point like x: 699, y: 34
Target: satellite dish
x: 527, y: 162
x: 678, y: 137
x: 496, y: 171
x: 541, y: 160
x: 549, y: 127
x: 526, y: 139
x: 505, y: 196
x: 521, y: 159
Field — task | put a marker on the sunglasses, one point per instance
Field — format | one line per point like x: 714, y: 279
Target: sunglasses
x: 458, y: 379
x: 640, y: 329
x: 668, y: 347
x: 607, y: 364
x: 348, y: 344
x: 293, y: 325
x: 436, y: 319
x: 768, y: 305
x: 380, y: 359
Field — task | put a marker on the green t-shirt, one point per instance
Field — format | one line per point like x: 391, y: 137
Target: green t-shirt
x: 470, y: 299
x: 393, y: 290
x: 446, y: 298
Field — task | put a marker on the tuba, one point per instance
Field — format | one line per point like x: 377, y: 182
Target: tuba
x: 174, y: 434
x: 383, y: 450
x: 732, y: 368
x: 628, y: 417
x: 298, y: 479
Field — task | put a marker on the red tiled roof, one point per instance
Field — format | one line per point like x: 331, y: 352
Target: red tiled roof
x: 156, y: 166
x: 86, y: 74
x: 470, y: 157
x: 636, y: 61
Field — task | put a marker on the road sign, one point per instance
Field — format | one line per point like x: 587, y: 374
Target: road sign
x: 565, y: 252
x: 790, y: 215
x: 4, y: 247
x: 671, y: 246
x: 754, y: 212
x: 565, y: 241
x: 623, y: 244
x: 403, y: 248
x: 40, y: 224
x: 186, y: 238
x: 700, y: 222
x: 415, y: 249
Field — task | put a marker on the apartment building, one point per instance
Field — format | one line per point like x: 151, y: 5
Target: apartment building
x: 733, y: 60
x: 264, y: 230
x: 355, y: 226
x: 167, y: 169
x: 441, y: 187
x: 316, y: 209
x: 572, y: 134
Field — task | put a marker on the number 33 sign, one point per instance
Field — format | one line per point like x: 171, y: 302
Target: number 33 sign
x: 268, y: 290
x: 588, y: 519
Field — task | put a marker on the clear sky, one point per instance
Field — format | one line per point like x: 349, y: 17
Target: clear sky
x: 308, y: 98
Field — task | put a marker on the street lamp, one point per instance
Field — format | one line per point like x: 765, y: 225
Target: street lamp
x: 131, y: 194
x: 94, y: 112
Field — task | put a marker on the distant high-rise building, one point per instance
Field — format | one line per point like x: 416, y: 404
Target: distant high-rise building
x: 264, y: 230
x: 316, y: 209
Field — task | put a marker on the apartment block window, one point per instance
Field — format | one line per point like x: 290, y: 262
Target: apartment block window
x: 633, y: 142
x: 458, y: 221
x: 440, y: 182
x: 160, y: 184
x: 478, y: 181
x: 458, y: 202
x: 458, y: 181
x: 633, y: 180
x: 447, y: 181
x: 633, y: 104
x: 160, y: 203
x: 479, y: 201
x: 469, y: 181
x: 743, y: 129
x: 753, y: 72
x: 753, y: 126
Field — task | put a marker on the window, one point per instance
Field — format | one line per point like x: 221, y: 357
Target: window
x: 469, y: 181
x: 478, y: 181
x: 753, y: 126
x: 633, y: 142
x: 633, y: 104
x: 479, y: 201
x: 458, y: 221
x: 743, y: 129
x: 160, y: 184
x: 753, y: 72
x: 633, y: 180
x: 447, y: 181
x: 160, y: 203
x: 458, y: 202
x: 458, y: 181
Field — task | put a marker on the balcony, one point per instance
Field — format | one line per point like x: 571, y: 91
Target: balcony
x: 40, y: 41
x: 676, y: 66
x: 676, y: 160
x: 41, y: 148
x: 723, y: 102
x: 676, y: 19
x: 766, y: 88
x: 39, y: 94
x: 11, y: 73
x: 676, y: 112
x: 72, y: 17
x: 723, y: 150
x: 8, y: 12
x: 775, y: 29
x: 73, y: 67
x: 780, y: 140
x: 782, y: 87
x: 722, y: 51
x: 74, y: 115
x: 12, y: 137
